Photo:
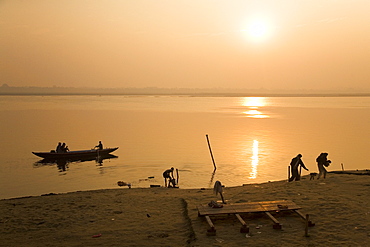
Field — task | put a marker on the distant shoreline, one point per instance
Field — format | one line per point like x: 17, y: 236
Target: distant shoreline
x: 191, y: 94
x: 197, y: 95
x: 6, y: 90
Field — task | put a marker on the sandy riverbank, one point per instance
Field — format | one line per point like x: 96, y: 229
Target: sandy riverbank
x: 339, y: 205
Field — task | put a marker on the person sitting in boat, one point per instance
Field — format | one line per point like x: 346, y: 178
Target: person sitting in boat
x: 99, y: 146
x: 58, y: 149
x: 63, y: 148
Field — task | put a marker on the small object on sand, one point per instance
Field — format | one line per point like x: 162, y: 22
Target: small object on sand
x: 121, y: 183
x: 214, y: 204
x: 97, y: 235
x: 148, y: 215
x: 282, y: 206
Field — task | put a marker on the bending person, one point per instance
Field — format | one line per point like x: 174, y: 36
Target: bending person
x: 294, y: 164
x: 168, y: 174
x: 322, y: 162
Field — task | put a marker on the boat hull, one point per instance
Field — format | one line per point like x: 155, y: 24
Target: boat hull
x: 75, y: 154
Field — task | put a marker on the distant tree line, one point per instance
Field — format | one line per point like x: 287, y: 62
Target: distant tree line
x: 5, y: 89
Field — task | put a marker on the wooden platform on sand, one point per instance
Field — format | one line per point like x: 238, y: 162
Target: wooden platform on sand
x: 250, y: 207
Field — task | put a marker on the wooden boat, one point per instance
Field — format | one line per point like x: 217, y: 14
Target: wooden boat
x: 50, y: 161
x: 63, y: 163
x: 75, y: 154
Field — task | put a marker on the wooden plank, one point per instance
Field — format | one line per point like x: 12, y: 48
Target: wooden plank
x: 277, y: 224
x: 241, y: 220
x: 211, y: 230
x: 279, y: 205
x: 207, y: 210
x: 272, y: 218
x: 304, y: 217
x: 300, y: 214
x: 210, y: 223
x: 248, y: 207
x: 244, y: 228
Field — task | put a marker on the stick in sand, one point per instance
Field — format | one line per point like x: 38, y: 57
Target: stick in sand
x: 306, y: 228
x: 210, y: 150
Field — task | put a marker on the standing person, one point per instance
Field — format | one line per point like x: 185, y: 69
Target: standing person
x: 294, y: 164
x: 99, y: 146
x: 322, y: 161
x: 168, y: 174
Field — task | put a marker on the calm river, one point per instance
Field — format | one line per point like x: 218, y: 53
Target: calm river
x: 253, y: 139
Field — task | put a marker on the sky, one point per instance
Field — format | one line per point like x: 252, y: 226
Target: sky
x: 269, y: 44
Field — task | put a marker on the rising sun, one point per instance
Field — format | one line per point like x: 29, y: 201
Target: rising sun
x: 258, y: 30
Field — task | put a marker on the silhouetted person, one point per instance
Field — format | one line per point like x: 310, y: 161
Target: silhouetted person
x: 168, y: 174
x: 322, y: 162
x: 294, y: 165
x: 58, y: 148
x: 99, y: 146
x: 63, y: 148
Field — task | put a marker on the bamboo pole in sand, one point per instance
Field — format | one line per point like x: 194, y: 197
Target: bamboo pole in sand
x: 210, y: 150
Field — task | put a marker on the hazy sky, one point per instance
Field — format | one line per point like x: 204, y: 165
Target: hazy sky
x: 273, y: 44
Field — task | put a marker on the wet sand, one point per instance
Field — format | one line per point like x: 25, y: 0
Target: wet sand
x: 339, y: 206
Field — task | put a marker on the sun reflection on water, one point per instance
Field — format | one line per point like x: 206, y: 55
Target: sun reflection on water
x: 254, y: 104
x: 253, y: 173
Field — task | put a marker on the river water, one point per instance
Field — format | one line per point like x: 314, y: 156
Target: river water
x: 252, y: 139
